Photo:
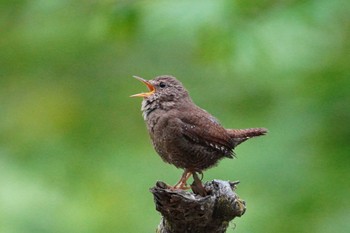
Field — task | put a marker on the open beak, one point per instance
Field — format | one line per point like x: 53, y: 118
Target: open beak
x: 150, y: 88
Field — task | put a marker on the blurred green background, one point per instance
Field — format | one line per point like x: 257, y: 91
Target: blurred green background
x: 74, y: 152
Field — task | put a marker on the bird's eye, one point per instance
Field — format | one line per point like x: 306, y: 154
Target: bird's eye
x: 162, y: 85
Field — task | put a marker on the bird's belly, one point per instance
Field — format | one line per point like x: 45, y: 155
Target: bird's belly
x: 184, y: 154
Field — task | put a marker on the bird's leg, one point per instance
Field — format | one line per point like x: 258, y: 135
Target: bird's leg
x: 181, y: 184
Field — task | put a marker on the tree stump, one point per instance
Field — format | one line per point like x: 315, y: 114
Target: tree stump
x: 184, y: 211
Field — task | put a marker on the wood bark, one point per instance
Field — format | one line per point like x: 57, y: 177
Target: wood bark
x: 191, y: 212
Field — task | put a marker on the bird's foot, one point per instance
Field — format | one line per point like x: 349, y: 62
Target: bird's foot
x: 196, y: 186
x: 161, y: 184
x: 179, y: 187
x: 182, y: 183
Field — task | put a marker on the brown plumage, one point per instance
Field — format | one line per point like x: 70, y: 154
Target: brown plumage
x: 184, y: 134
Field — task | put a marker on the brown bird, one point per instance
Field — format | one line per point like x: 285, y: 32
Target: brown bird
x: 182, y: 133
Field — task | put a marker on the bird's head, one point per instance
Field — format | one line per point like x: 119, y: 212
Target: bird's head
x: 163, y: 89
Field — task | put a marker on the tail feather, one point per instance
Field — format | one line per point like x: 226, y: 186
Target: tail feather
x: 240, y: 135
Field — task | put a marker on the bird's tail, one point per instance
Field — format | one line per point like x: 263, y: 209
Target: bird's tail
x: 240, y: 135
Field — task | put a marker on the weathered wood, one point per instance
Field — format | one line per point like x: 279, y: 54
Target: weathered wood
x: 184, y: 211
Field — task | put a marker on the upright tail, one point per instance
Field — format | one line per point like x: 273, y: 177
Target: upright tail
x: 240, y: 135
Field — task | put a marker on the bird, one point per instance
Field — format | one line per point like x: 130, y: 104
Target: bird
x: 184, y: 134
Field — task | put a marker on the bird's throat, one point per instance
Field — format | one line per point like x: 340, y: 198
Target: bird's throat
x: 147, y: 107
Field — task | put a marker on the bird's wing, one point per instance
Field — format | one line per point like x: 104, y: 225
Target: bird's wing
x: 205, y: 130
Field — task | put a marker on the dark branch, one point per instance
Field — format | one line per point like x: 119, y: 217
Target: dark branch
x: 184, y: 211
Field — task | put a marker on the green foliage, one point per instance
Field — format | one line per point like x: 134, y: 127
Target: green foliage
x: 74, y: 152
